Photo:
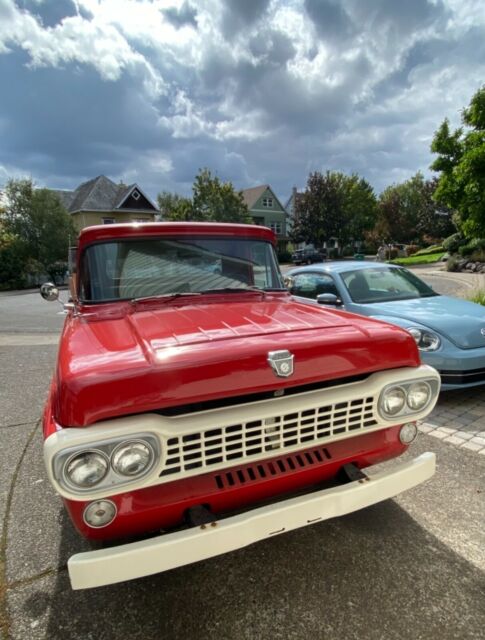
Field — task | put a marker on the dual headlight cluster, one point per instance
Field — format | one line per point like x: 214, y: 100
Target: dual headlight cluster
x: 406, y: 398
x: 108, y: 463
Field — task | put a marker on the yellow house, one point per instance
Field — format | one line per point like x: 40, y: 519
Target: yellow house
x: 102, y: 201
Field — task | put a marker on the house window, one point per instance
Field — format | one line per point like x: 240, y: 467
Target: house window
x: 277, y: 227
x: 135, y: 195
x: 108, y: 220
x: 268, y: 202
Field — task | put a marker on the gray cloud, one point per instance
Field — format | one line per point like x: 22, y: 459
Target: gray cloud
x: 237, y: 15
x: 51, y: 12
x: 184, y: 16
x: 331, y: 20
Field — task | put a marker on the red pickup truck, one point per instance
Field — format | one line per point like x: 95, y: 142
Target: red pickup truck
x: 197, y: 407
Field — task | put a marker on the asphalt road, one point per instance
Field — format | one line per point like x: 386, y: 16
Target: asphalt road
x: 410, y: 568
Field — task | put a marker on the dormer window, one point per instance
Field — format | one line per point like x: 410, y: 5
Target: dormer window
x: 136, y: 195
x: 268, y: 202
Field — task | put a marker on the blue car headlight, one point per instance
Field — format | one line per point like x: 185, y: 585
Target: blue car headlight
x: 425, y: 339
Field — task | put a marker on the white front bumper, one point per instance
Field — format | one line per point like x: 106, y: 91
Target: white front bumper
x: 138, y: 559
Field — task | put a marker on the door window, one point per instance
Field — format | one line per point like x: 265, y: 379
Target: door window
x: 310, y: 285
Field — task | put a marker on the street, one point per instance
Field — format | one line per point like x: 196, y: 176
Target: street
x: 409, y: 568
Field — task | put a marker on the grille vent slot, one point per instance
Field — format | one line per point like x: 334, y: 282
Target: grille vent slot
x: 277, y: 467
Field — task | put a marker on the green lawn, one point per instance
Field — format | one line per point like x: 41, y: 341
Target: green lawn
x: 426, y: 259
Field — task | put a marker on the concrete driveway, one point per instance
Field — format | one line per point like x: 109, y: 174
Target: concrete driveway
x: 413, y: 567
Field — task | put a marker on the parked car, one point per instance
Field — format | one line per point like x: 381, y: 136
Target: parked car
x: 391, y: 251
x: 308, y: 256
x: 179, y: 419
x: 449, y: 332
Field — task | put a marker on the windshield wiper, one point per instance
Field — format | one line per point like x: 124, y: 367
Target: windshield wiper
x: 165, y: 297
x: 234, y: 290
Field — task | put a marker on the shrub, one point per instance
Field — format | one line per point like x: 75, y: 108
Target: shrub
x: 333, y: 253
x: 452, y: 243
x: 13, y: 257
x: 452, y: 264
x: 411, y: 249
x: 284, y: 256
x: 57, y: 271
x: 369, y: 248
x: 477, y: 244
x: 348, y: 250
x: 478, y: 256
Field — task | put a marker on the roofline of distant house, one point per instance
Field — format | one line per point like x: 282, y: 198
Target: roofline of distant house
x: 266, y: 186
x: 131, y: 188
x: 116, y: 211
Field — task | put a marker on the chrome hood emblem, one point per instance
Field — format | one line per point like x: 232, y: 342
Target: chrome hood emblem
x: 281, y: 362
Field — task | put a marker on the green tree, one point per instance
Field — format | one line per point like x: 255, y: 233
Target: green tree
x: 461, y: 164
x: 217, y: 201
x: 333, y: 205
x: 174, y: 207
x: 37, y: 218
x: 361, y: 207
x: 13, y: 261
x: 408, y: 213
x: 435, y: 221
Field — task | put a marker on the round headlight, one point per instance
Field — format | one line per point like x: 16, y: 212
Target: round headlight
x: 132, y: 458
x: 100, y: 513
x: 408, y: 432
x: 418, y: 395
x: 426, y: 340
x: 86, y: 469
x: 393, y: 401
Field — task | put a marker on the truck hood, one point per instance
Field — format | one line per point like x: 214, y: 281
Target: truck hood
x: 118, y: 360
x: 458, y: 320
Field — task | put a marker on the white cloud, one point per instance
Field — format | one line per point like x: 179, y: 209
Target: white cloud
x: 76, y: 39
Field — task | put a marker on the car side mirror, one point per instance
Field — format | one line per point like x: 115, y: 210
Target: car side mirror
x: 49, y: 292
x: 329, y: 299
x: 289, y: 282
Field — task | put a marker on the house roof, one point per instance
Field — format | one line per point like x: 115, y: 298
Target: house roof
x: 65, y: 196
x: 251, y: 196
x: 293, y: 200
x: 97, y: 194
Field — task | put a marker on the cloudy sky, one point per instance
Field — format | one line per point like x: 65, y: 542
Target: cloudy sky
x: 259, y: 91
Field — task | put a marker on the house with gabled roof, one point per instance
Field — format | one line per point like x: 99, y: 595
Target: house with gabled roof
x: 102, y: 201
x: 266, y: 210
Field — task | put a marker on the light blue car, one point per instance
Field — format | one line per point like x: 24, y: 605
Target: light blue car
x: 449, y: 332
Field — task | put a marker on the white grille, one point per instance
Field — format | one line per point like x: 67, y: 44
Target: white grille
x: 231, y: 444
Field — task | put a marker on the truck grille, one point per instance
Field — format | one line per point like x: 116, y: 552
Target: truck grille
x: 268, y: 436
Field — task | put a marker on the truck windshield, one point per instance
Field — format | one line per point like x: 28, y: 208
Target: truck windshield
x: 129, y: 269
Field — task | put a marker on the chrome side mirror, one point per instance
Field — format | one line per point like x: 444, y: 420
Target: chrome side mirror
x: 289, y: 282
x: 49, y: 292
x: 329, y: 298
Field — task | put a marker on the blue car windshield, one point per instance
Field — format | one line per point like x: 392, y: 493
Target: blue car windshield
x: 380, y: 284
